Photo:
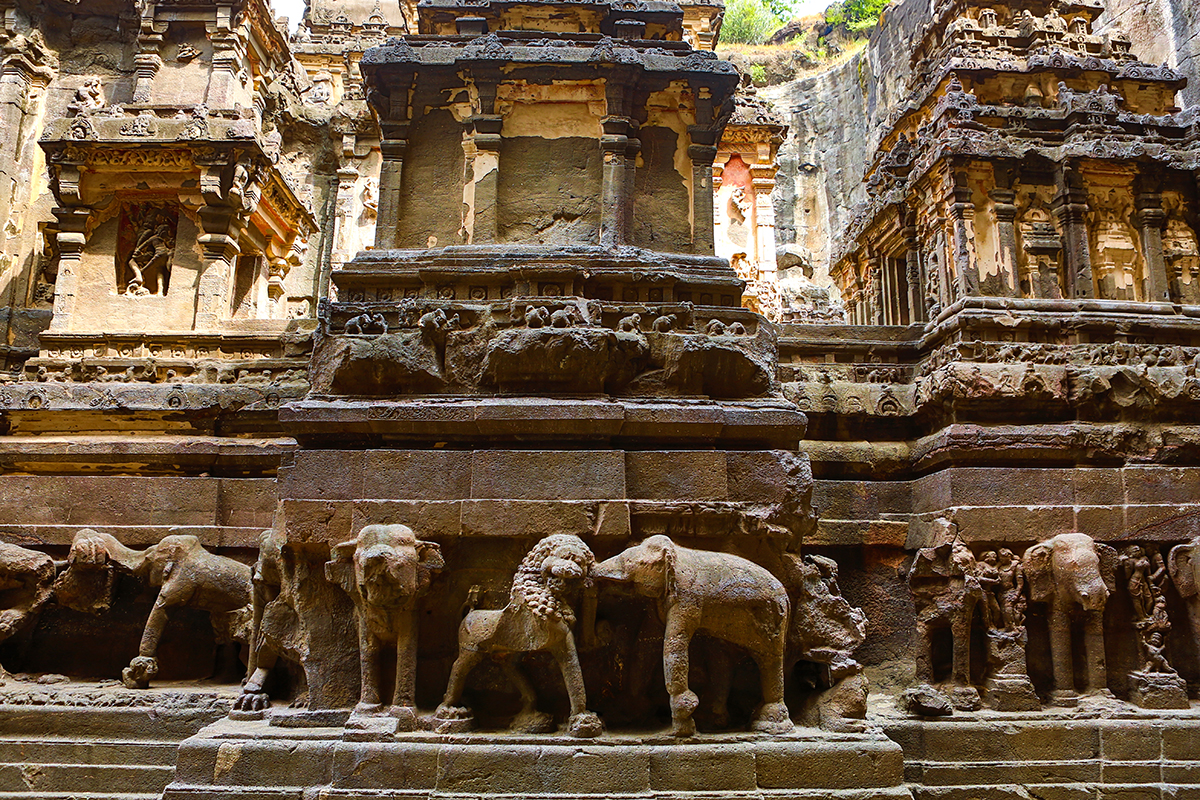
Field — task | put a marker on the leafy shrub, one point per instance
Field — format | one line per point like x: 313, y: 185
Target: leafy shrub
x: 748, y: 22
x: 855, y: 15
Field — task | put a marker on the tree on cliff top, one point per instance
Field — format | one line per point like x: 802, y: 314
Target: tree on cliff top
x: 855, y: 15
x: 748, y: 22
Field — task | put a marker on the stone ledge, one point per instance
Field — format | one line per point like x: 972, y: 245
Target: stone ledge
x: 226, y: 759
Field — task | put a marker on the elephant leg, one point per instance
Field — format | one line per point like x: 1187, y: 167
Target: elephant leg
x: 1093, y: 646
x: 1060, y: 649
x: 466, y: 661
x: 1193, y: 612
x: 676, y: 640
x: 924, y: 652
x: 368, y: 647
x: 773, y: 717
x: 405, y: 694
x: 145, y: 666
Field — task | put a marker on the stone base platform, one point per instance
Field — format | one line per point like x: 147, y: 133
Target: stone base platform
x: 1103, y: 748
x: 255, y: 760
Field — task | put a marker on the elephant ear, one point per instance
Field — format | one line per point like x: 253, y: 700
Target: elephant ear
x: 1109, y: 561
x: 430, y: 554
x: 1038, y: 572
x: 340, y: 568
x: 1180, y: 563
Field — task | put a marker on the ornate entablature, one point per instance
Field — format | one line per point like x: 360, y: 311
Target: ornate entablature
x: 1034, y: 160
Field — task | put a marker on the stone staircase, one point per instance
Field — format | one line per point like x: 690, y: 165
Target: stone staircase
x: 90, y: 753
x: 1052, y: 755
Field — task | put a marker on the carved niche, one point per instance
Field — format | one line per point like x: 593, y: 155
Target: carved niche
x: 146, y: 248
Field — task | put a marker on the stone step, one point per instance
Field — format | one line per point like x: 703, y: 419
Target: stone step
x: 935, y: 774
x: 26, y: 778
x: 72, y: 751
x: 111, y: 724
x: 79, y: 796
x: 1059, y: 791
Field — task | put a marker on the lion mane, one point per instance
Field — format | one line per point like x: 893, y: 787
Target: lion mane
x: 545, y: 590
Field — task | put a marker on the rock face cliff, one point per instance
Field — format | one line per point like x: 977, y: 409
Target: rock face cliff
x: 838, y: 116
x: 1163, y: 32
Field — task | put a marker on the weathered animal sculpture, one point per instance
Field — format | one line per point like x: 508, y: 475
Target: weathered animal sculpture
x: 1068, y: 572
x: 725, y: 596
x: 26, y: 584
x: 945, y: 591
x: 265, y: 646
x: 186, y: 575
x: 384, y: 570
x: 539, y: 616
x: 1183, y: 563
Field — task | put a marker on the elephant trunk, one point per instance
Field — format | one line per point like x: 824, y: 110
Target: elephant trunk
x: 612, y: 569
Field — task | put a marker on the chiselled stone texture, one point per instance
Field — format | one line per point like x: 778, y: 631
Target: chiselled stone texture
x: 417, y: 404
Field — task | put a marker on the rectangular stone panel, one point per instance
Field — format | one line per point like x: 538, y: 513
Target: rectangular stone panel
x: 416, y: 474
x: 686, y: 475
x: 548, y: 474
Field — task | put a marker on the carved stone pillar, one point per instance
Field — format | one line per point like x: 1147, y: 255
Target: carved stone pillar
x: 615, y: 200
x: 483, y: 181
x: 223, y: 82
x: 962, y: 215
x: 1003, y: 203
x: 70, y: 239
x: 633, y: 147
x: 146, y: 65
x: 874, y: 312
x: 912, y: 274
x: 764, y: 220
x: 219, y: 243
x: 1151, y: 219
x: 1070, y: 210
x: 702, y: 151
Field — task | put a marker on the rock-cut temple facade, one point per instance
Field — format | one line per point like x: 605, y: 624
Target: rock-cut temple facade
x: 418, y: 403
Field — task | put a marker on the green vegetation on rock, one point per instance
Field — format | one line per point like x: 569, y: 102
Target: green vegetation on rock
x: 748, y: 22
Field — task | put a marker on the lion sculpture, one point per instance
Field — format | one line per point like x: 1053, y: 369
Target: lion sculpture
x: 539, y: 616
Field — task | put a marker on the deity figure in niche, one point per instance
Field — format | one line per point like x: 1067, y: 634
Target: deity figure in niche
x: 1115, y: 258
x: 1183, y: 260
x: 145, y: 249
x: 1039, y: 270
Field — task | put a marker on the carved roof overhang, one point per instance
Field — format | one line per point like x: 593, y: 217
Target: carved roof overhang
x: 268, y: 38
x: 1119, y: 75
x: 95, y: 144
x: 948, y: 11
x: 433, y: 13
x: 649, y: 66
x: 1081, y: 141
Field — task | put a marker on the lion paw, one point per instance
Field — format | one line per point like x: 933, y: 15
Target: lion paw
x: 139, y: 672
x: 586, y: 725
x: 252, y: 701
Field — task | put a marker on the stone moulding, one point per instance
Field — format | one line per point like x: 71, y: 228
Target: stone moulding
x: 227, y: 760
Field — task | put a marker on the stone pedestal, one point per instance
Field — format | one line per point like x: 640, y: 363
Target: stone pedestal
x: 231, y: 760
x: 1157, y: 690
x: 1011, y: 693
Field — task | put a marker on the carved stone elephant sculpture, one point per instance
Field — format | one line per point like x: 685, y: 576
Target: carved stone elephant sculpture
x: 539, y: 616
x: 726, y: 596
x: 1183, y: 563
x: 186, y: 575
x: 384, y: 570
x: 1068, y: 572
